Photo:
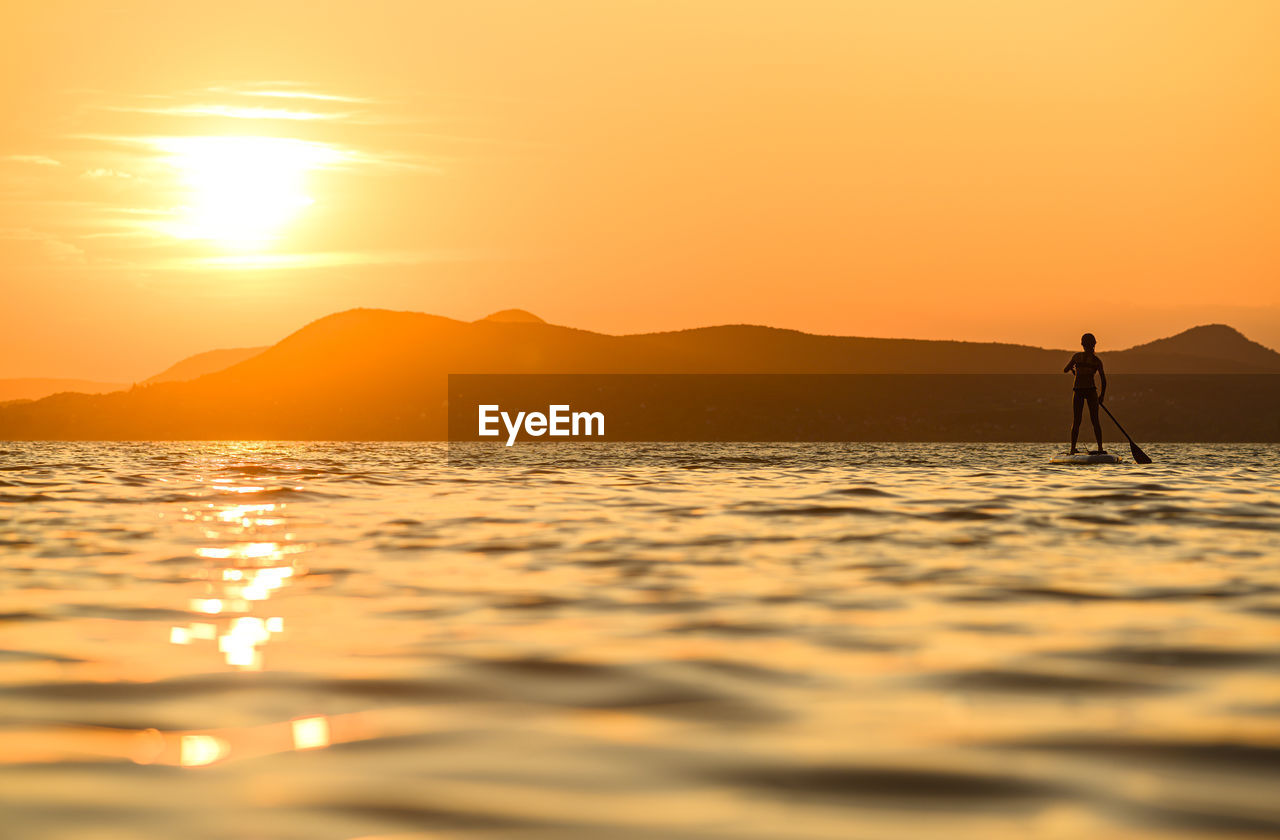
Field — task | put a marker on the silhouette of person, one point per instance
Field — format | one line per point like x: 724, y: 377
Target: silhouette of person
x: 1085, y: 365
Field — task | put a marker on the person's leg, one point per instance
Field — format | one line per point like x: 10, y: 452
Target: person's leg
x: 1093, y: 416
x: 1077, y: 404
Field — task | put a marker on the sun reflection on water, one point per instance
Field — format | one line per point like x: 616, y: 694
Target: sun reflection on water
x: 249, y: 561
x: 246, y: 572
x: 310, y: 733
x: 199, y: 750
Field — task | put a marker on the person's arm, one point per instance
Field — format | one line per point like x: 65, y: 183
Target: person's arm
x: 1070, y: 365
x: 1102, y: 374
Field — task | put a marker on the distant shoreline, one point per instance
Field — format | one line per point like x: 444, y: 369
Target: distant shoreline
x: 926, y: 408
x: 369, y: 374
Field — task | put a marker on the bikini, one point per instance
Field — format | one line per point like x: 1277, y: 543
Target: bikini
x: 1087, y: 365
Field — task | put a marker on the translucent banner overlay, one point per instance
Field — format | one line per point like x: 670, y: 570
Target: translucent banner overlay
x: 540, y: 409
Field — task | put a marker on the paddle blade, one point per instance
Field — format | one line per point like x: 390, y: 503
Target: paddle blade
x: 1139, y: 457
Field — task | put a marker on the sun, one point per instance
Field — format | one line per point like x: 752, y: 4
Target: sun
x: 240, y: 193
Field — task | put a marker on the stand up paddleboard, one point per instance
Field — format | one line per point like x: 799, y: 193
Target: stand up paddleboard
x: 1085, y: 458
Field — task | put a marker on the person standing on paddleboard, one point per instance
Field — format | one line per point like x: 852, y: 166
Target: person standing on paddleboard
x: 1084, y: 365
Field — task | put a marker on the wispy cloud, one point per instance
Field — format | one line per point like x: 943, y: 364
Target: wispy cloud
x: 101, y: 172
x: 37, y: 160
x: 324, y: 155
x: 284, y: 93
x: 318, y: 259
x: 39, y: 248
x: 228, y: 111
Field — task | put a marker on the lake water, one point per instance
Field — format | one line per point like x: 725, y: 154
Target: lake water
x: 261, y: 640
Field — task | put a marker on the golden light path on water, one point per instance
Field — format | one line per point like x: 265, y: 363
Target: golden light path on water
x: 246, y: 571
x: 234, y: 622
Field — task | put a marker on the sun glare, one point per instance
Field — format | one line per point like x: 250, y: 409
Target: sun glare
x: 241, y: 192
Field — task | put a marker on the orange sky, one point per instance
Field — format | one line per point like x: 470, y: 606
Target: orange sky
x: 981, y: 170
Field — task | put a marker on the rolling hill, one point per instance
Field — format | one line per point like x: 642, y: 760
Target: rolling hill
x: 378, y: 374
x: 1211, y: 345
x: 34, y: 388
x: 198, y: 365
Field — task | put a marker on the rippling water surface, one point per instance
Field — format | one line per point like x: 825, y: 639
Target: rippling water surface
x: 221, y: 640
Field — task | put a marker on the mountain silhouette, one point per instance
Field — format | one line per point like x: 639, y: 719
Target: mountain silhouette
x: 1211, y: 344
x: 35, y: 388
x: 198, y: 365
x: 514, y: 316
x: 379, y: 374
x: 514, y: 341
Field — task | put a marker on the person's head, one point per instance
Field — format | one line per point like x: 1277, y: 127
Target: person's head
x: 1088, y: 342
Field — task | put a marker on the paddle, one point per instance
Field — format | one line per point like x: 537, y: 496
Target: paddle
x: 1139, y: 456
